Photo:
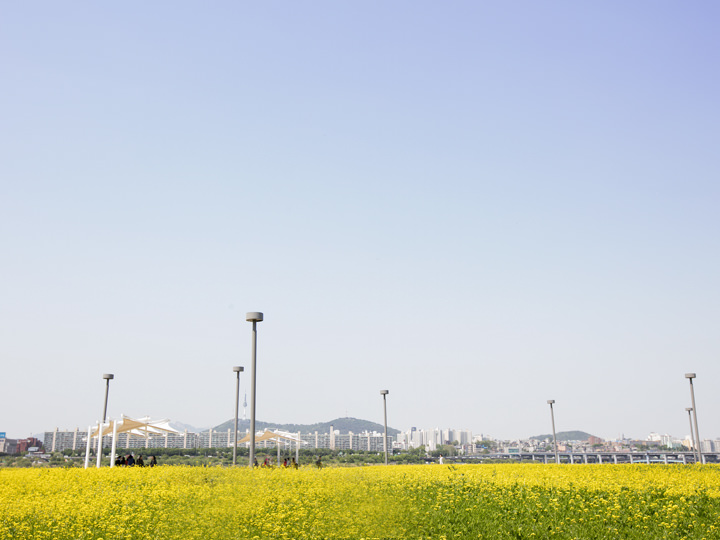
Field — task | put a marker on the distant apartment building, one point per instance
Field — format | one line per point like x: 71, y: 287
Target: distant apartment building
x: 369, y: 441
x: 431, y: 438
x: 709, y: 446
x: 57, y: 441
x: 18, y: 446
x: 31, y: 444
x: 8, y: 446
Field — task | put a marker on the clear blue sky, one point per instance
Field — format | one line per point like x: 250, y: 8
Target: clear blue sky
x: 476, y: 205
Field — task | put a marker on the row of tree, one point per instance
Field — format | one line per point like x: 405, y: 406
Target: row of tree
x: 223, y: 456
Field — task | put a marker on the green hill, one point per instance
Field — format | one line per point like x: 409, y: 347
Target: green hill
x: 344, y: 425
x: 565, y: 436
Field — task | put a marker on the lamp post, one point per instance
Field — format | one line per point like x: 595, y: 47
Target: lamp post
x: 552, y: 417
x: 384, y: 393
x: 692, y: 435
x: 108, y: 377
x: 691, y: 376
x: 237, y: 370
x: 254, y: 317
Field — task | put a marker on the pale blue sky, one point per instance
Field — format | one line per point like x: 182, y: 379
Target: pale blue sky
x: 479, y: 206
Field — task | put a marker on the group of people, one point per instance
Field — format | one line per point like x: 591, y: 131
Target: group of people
x: 130, y: 461
x: 268, y: 463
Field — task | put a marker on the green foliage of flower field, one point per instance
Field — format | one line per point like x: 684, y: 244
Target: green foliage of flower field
x: 413, y: 501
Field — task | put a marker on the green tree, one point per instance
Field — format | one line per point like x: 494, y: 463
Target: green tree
x: 444, y: 450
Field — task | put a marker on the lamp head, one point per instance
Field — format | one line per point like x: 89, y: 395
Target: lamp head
x: 551, y: 401
x: 108, y: 376
x: 254, y: 316
x: 688, y: 409
x: 690, y: 376
x: 238, y: 369
x: 384, y: 392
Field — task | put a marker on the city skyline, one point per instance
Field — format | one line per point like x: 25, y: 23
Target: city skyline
x: 355, y: 436
x: 180, y: 425
x: 479, y: 207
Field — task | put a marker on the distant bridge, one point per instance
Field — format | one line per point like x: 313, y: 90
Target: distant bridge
x: 649, y: 457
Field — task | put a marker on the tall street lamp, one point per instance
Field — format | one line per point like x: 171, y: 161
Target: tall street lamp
x: 254, y: 317
x: 690, y: 377
x: 552, y: 417
x: 692, y: 435
x: 237, y: 370
x: 108, y: 377
x: 384, y: 393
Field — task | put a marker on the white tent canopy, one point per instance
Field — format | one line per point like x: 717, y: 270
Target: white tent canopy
x: 140, y: 427
x: 144, y: 427
x: 272, y: 436
x: 279, y: 437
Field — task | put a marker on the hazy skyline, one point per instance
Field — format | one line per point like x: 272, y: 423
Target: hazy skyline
x: 478, y: 206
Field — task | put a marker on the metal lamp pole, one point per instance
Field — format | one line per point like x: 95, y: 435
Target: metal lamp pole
x: 108, y: 377
x: 384, y: 394
x: 552, y: 417
x: 237, y: 370
x: 691, y: 376
x: 254, y: 317
x: 692, y: 435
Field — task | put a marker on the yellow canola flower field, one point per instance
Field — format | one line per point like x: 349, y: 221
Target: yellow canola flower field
x: 409, y: 501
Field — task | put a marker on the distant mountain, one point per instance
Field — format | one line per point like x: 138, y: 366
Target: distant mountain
x: 182, y: 427
x: 342, y: 424
x: 565, y: 436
